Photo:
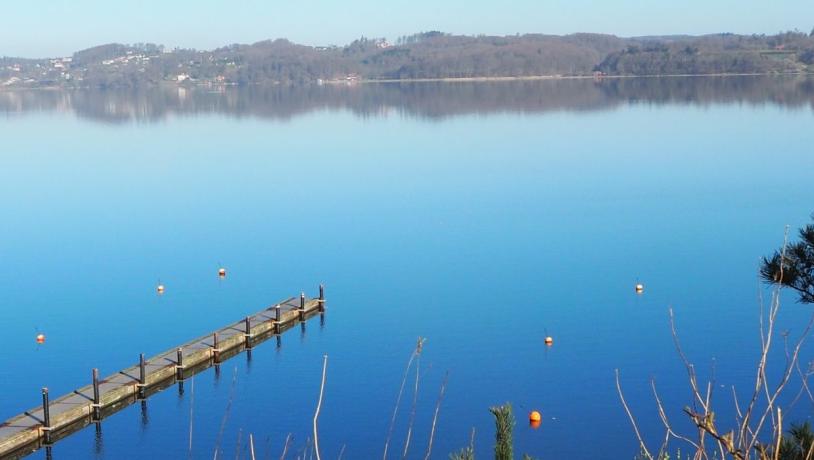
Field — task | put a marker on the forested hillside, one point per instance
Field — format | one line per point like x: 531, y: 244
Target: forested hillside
x: 431, y: 55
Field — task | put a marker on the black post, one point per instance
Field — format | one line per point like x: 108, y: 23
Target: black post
x: 321, y: 298
x: 248, y: 333
x: 46, y: 411
x: 277, y: 319
x: 179, y: 366
x: 142, y: 375
x: 302, y: 306
x: 215, y: 347
x: 97, y: 406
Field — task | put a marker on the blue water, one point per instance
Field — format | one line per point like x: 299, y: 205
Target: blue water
x: 483, y: 230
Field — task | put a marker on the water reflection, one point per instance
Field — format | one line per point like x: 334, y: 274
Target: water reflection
x: 424, y: 100
x: 98, y: 441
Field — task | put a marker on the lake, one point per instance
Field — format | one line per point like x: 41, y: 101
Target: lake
x: 481, y: 216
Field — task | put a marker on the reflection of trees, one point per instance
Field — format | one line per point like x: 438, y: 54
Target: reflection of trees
x: 426, y: 100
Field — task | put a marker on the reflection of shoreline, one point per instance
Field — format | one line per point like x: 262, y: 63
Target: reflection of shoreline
x: 571, y: 77
x: 428, y: 100
x: 346, y: 82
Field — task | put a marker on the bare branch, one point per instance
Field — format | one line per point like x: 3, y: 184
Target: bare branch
x: 319, y: 404
x: 435, y: 417
x: 632, y: 420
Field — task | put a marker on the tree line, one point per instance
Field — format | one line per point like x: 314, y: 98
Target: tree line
x: 429, y: 55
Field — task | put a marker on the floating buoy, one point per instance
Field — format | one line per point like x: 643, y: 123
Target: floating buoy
x: 549, y: 340
x: 160, y: 289
x: 639, y: 288
x: 535, y: 417
x: 222, y: 272
x: 40, y: 338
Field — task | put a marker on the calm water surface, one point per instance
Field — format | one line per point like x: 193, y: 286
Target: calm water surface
x: 480, y: 216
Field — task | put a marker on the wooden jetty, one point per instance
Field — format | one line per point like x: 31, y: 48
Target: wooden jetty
x: 55, y: 419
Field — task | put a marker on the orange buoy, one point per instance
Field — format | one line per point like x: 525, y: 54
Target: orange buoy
x: 222, y: 272
x: 549, y: 340
x: 639, y: 288
x: 160, y: 289
x: 40, y: 338
x: 535, y: 417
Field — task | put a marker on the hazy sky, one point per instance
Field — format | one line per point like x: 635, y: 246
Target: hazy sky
x: 39, y: 28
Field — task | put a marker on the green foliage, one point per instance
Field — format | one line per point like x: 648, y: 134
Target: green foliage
x: 797, y: 445
x: 504, y: 426
x: 467, y: 453
x: 795, y: 269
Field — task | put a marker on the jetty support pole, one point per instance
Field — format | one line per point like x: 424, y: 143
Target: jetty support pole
x: 302, y: 306
x: 179, y: 366
x: 97, y: 403
x: 248, y: 333
x: 215, y: 347
x: 322, y: 298
x: 277, y: 318
x: 142, y: 375
x: 46, y: 416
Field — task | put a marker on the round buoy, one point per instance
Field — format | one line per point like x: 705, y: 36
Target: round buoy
x: 222, y: 272
x: 639, y: 288
x: 160, y: 289
x: 40, y: 338
x: 549, y: 340
x: 535, y: 417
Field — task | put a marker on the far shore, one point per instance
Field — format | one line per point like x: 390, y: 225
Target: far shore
x: 346, y: 82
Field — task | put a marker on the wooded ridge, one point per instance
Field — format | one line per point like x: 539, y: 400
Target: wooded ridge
x: 429, y: 55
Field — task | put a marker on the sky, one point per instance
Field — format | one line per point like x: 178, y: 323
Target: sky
x: 47, y: 28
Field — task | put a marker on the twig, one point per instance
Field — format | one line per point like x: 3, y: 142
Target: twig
x: 435, y: 416
x: 687, y: 364
x: 413, y: 355
x: 341, y: 452
x: 412, y: 408
x: 251, y: 446
x: 319, y: 404
x: 285, y: 446
x: 632, y: 420
x: 666, y: 422
x: 226, y: 413
x: 237, y: 444
x: 779, y: 434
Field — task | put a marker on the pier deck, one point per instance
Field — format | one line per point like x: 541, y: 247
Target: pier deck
x: 33, y: 429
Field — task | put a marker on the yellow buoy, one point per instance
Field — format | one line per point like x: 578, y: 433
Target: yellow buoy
x: 160, y: 289
x: 222, y: 272
x: 549, y: 340
x: 535, y: 416
x: 40, y: 338
x: 639, y: 288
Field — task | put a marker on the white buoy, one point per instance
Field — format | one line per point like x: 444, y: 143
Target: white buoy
x: 160, y: 289
x: 639, y: 288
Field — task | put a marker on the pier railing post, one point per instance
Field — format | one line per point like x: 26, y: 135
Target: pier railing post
x: 277, y: 317
x: 215, y: 347
x: 302, y: 306
x: 248, y: 333
x: 179, y: 366
x: 97, y: 406
x: 321, y: 298
x: 142, y: 375
x: 46, y: 416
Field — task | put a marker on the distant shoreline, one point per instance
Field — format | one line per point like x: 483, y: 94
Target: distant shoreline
x: 560, y: 77
x: 419, y: 80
